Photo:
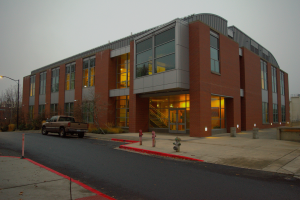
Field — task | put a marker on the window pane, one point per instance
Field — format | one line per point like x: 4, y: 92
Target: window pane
x: 92, y: 62
x: 143, y: 57
x: 121, y: 77
x: 214, y: 54
x: 165, y: 63
x: 165, y: 49
x: 121, y: 85
x: 92, y: 81
x: 142, y: 46
x: 72, y: 76
x: 123, y: 59
x: 67, y: 85
x: 144, y: 69
x: 121, y: 113
x: 121, y: 121
x: 85, y: 64
x: 72, y: 86
x: 214, y: 42
x: 165, y: 36
x: 92, y: 71
x: 121, y: 68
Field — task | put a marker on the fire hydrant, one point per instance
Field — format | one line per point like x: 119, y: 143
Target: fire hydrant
x: 177, y: 144
x: 140, y: 134
x: 153, y: 139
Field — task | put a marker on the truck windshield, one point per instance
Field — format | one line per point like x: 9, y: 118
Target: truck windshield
x: 66, y: 119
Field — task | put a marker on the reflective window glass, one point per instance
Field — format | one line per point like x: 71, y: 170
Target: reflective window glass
x: 143, y: 57
x: 214, y: 42
x: 165, y: 63
x: 144, y: 45
x: 144, y: 69
x: 214, y: 54
x: 165, y: 49
x: 165, y: 36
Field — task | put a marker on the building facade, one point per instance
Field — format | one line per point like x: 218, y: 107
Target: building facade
x: 295, y: 108
x: 193, y: 75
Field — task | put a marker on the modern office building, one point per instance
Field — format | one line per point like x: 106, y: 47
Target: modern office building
x: 193, y: 75
x: 295, y: 108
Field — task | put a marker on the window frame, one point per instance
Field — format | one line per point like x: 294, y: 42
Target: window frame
x: 43, y: 79
x: 274, y: 79
x: 54, y: 111
x: 126, y: 108
x: 32, y: 86
x: 265, y: 105
x: 264, y: 75
x: 283, y: 113
x: 275, y: 113
x: 151, y: 63
x: 55, y: 80
x: 216, y: 36
x: 70, y: 72
x: 127, y: 72
x: 69, y: 112
x: 282, y: 90
x: 89, y: 68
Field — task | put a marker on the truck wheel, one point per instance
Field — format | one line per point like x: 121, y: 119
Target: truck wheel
x: 44, y: 131
x: 80, y: 135
x: 62, y: 132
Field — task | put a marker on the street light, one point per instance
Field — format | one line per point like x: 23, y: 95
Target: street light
x: 18, y: 98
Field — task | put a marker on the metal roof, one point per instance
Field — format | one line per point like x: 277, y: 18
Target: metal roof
x: 216, y: 22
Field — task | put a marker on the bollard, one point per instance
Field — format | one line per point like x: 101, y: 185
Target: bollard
x: 23, y: 145
x: 177, y: 144
x: 140, y: 134
x: 232, y: 132
x: 153, y: 139
x: 255, y: 133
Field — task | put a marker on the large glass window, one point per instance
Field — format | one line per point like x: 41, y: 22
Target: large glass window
x: 274, y: 80
x: 32, y: 85
x: 70, y: 77
x: 122, y: 111
x: 265, y: 112
x: 264, y: 79
x: 88, y: 112
x: 163, y: 47
x: 43, y: 82
x: 283, y: 117
x: 123, y: 71
x: 218, y: 119
x: 69, y: 109
x: 31, y: 112
x: 214, y: 53
x: 55, y: 80
x: 165, y: 51
x: 89, y: 72
x: 282, y: 83
x: 159, y: 109
x: 53, y: 109
x: 144, y: 58
x: 275, y: 113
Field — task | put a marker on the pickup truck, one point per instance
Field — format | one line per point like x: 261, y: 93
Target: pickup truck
x: 64, y: 125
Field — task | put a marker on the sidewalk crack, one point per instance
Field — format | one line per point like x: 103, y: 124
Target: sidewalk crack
x: 33, y: 184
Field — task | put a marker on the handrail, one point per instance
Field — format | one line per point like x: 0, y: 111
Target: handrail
x: 157, y: 110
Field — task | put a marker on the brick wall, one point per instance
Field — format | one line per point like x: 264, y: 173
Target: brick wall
x: 105, y: 80
x: 139, y: 107
x: 287, y: 95
x: 48, y: 93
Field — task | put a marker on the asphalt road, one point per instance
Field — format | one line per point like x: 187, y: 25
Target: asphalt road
x: 126, y: 175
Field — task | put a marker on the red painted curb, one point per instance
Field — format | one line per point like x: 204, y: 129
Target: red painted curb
x: 74, y: 181
x: 158, y: 153
x: 66, y: 177
x: 122, y: 140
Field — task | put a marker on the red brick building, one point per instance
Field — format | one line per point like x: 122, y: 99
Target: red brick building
x: 192, y: 75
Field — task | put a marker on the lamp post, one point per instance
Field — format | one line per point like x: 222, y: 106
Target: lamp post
x: 18, y: 98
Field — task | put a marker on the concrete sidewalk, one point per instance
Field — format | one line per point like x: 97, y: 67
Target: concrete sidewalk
x: 265, y: 153
x: 22, y: 179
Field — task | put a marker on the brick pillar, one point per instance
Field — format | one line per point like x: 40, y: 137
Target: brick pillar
x: 278, y: 94
x: 270, y: 95
x: 287, y: 99
x: 25, y: 99
x: 61, y: 95
x: 138, y: 107
x: 48, y: 93
x: 37, y: 93
x: 200, y: 94
x: 105, y: 80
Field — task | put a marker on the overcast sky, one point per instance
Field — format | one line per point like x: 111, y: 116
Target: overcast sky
x: 37, y: 33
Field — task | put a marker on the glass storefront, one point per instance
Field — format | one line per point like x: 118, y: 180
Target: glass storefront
x: 174, y: 108
x: 218, y: 119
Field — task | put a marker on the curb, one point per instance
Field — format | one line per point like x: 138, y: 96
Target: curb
x: 122, y: 140
x: 152, y: 152
x: 67, y: 177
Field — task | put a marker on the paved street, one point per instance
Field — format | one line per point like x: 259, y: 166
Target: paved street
x: 126, y: 175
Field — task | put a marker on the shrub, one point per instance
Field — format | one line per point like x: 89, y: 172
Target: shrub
x: 99, y: 131
x: 29, y: 127
x: 4, y: 128
x: 22, y: 127
x: 11, y: 127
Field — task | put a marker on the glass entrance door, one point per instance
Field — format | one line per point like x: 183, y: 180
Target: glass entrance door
x: 177, y: 123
